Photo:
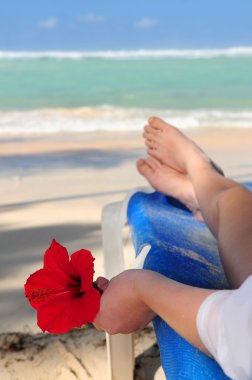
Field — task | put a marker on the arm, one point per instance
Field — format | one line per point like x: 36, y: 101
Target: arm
x: 127, y: 304
x: 177, y: 304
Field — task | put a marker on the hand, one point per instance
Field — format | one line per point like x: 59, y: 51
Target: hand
x: 121, y: 309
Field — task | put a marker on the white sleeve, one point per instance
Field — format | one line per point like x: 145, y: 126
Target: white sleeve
x: 224, y: 323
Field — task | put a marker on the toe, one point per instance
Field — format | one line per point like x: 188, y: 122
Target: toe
x: 150, y: 144
x: 145, y: 134
x: 150, y: 130
x: 157, y: 123
x: 153, y: 153
x: 139, y: 164
x: 143, y: 167
x: 153, y: 162
x: 147, y: 129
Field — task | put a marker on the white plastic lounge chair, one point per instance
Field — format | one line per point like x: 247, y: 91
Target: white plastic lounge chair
x: 183, y: 249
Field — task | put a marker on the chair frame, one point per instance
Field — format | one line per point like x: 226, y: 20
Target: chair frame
x: 120, y: 348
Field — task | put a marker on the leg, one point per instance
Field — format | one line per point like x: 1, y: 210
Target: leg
x: 226, y: 206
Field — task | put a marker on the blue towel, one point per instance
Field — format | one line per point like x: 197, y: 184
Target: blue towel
x: 183, y: 249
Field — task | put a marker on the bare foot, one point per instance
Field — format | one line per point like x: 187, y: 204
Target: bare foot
x: 172, y: 147
x: 171, y: 153
x: 170, y: 182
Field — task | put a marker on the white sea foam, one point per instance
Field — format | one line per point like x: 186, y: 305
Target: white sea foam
x: 108, y: 118
x: 232, y: 52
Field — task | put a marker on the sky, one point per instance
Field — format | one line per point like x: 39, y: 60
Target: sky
x: 91, y: 25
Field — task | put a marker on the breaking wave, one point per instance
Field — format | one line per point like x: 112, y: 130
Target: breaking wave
x: 232, y: 52
x: 110, y: 118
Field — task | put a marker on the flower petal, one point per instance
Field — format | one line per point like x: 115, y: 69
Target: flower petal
x: 56, y: 258
x: 82, y: 267
x: 64, y: 312
x: 41, y: 285
x: 85, y: 308
x: 55, y: 316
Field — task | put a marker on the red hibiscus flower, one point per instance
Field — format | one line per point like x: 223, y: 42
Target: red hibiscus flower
x: 62, y: 292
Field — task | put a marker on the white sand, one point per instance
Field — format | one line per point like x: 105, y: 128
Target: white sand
x: 63, y: 199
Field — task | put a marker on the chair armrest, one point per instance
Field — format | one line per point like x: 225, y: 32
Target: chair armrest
x: 113, y: 220
x: 120, y: 348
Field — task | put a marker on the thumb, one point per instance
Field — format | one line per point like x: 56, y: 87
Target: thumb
x: 102, y: 283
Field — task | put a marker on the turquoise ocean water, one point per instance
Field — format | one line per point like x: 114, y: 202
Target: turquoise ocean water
x: 55, y: 93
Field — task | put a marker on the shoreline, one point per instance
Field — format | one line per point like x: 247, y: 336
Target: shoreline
x: 59, y: 121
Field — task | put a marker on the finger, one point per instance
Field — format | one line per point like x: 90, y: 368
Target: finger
x: 102, y: 283
x: 97, y: 326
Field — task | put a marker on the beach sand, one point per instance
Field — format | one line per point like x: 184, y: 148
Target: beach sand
x: 56, y: 186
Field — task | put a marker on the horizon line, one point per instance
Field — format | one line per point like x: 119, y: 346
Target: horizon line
x: 234, y: 51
